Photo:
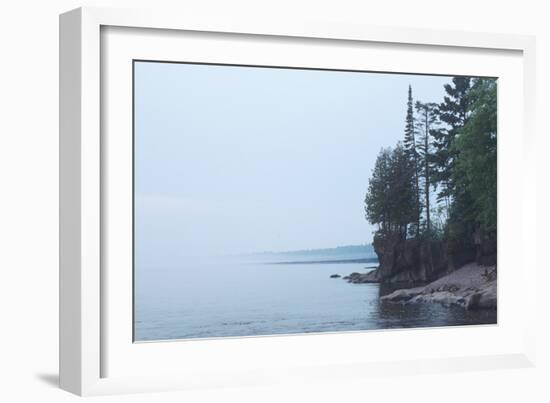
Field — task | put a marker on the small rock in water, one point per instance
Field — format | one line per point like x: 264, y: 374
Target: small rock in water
x: 335, y: 276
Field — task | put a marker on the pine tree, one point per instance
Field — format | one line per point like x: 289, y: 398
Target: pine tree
x: 425, y: 126
x: 409, y: 144
x: 453, y: 113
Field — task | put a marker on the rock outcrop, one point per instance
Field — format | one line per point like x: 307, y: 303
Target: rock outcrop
x: 410, y: 260
x: 418, y: 261
x: 472, y: 287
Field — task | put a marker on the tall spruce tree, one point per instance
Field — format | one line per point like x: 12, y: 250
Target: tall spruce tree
x: 409, y: 143
x: 425, y: 126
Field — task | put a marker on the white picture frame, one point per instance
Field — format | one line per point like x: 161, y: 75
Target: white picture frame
x: 97, y: 357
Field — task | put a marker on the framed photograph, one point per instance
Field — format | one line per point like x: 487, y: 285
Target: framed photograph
x: 250, y: 202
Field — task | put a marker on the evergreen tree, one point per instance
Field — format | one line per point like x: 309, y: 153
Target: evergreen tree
x: 475, y: 170
x: 409, y: 144
x: 453, y: 113
x: 376, y: 208
x: 426, y: 126
x: 389, y: 201
x: 451, y: 148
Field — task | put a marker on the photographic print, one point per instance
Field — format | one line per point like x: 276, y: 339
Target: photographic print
x: 272, y: 200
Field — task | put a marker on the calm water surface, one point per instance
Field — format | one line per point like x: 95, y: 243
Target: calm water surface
x: 235, y: 298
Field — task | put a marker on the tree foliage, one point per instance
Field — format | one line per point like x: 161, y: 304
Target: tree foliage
x: 391, y: 195
x: 449, y: 152
x: 452, y: 113
x: 475, y: 170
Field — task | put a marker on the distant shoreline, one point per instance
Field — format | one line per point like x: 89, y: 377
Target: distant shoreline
x: 357, y: 250
x: 335, y: 261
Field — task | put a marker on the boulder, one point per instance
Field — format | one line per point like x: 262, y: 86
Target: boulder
x: 403, y: 294
x: 359, y: 278
x: 484, y: 298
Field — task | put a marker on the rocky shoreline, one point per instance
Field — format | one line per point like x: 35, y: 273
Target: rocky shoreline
x: 472, y: 286
x: 450, y: 273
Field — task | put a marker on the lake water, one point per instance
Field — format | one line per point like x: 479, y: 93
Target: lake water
x: 251, y: 298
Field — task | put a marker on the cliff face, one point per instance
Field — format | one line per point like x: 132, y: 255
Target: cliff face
x: 418, y: 261
x: 410, y: 260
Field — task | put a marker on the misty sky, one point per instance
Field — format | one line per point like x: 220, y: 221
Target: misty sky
x: 235, y: 160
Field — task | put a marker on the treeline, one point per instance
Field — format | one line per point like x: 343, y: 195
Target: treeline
x: 440, y: 181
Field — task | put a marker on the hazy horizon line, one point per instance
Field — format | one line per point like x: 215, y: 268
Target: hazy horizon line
x: 334, y: 248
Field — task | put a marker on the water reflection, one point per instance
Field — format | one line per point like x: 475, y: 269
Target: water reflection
x: 254, y: 300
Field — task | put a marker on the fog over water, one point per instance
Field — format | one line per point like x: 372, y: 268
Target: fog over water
x: 233, y: 161
x: 240, y: 159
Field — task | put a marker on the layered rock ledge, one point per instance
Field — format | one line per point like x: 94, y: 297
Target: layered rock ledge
x: 472, y: 286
